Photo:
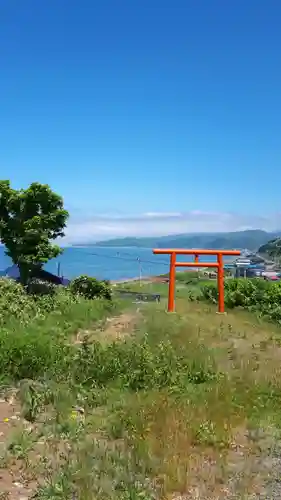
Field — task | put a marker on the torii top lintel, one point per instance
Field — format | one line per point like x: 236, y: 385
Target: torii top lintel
x: 184, y: 251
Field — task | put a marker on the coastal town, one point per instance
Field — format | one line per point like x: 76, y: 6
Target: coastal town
x: 254, y: 265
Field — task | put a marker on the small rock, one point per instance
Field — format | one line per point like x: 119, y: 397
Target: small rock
x: 17, y: 484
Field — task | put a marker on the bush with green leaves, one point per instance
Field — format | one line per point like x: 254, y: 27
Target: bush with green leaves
x: 20, y: 305
x: 90, y: 288
x: 39, y: 287
x: 40, y: 344
x: 257, y: 295
x: 27, y: 353
x: 14, y: 302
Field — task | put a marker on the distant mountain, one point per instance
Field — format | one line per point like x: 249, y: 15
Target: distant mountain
x: 250, y: 239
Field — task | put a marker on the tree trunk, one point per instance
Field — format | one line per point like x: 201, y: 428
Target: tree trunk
x: 24, y: 273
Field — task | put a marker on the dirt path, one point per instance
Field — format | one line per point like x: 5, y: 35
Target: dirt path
x: 120, y: 326
x: 115, y: 328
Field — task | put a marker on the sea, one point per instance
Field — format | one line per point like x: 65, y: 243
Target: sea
x: 119, y: 263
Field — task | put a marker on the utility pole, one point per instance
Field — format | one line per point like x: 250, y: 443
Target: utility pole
x: 139, y: 261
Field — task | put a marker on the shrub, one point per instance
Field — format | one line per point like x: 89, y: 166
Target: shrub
x: 253, y: 294
x: 38, y: 344
x: 14, y: 302
x: 90, y: 288
x: 40, y: 287
x: 210, y: 292
x: 31, y: 353
x: 21, y: 305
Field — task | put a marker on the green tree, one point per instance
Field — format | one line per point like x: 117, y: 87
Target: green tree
x: 29, y: 220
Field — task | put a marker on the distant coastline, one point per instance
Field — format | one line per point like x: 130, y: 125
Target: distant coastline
x: 115, y: 264
x: 250, y: 239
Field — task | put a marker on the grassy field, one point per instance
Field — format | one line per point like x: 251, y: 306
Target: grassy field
x: 128, y: 402
x: 186, y: 282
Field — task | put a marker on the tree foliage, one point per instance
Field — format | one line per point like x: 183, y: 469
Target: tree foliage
x: 29, y: 220
x: 272, y: 248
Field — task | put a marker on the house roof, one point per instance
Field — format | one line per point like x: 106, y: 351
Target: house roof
x: 13, y: 272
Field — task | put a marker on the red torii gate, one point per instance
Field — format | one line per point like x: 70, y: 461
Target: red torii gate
x: 173, y: 252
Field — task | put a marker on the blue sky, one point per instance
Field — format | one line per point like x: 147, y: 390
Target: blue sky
x: 148, y: 116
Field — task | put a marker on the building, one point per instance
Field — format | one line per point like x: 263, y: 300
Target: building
x: 249, y: 266
x: 12, y: 272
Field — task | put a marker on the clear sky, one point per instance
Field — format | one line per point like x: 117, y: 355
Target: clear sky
x: 170, y: 108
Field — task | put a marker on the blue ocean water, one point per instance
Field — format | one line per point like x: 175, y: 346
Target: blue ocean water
x: 107, y: 263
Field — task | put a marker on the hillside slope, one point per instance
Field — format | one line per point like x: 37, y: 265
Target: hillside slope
x: 271, y: 248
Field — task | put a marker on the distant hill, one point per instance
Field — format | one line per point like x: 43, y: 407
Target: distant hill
x: 250, y: 239
x: 271, y: 248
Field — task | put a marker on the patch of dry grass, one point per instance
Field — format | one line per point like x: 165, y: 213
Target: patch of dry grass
x: 199, y: 441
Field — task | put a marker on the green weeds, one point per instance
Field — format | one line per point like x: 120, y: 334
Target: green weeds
x: 35, y: 332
